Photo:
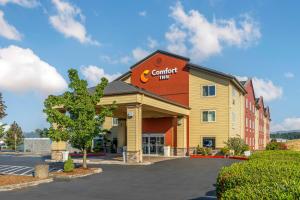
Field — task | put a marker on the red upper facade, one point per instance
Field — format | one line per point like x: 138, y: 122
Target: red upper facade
x: 164, y: 75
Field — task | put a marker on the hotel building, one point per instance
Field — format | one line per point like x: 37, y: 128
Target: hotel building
x: 167, y: 105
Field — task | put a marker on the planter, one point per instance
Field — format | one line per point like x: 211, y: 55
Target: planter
x: 74, y: 155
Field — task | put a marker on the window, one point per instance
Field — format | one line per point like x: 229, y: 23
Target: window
x: 246, y: 103
x: 246, y: 122
x: 209, y: 142
x: 209, y: 116
x: 209, y: 90
x: 115, y: 122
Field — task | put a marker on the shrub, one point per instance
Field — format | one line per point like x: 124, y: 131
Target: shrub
x: 267, y: 175
x: 69, y: 165
x: 238, y: 145
x: 225, y: 151
x: 203, y: 151
x: 273, y: 145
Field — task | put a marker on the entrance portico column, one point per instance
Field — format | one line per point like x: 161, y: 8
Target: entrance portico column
x: 181, y: 136
x: 134, y: 133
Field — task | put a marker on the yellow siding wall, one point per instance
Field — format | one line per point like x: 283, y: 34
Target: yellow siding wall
x: 198, y: 103
x: 236, y: 112
x: 265, y: 131
x: 116, y: 131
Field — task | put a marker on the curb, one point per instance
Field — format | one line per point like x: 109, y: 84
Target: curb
x: 23, y: 185
x: 96, y: 171
x: 75, y: 161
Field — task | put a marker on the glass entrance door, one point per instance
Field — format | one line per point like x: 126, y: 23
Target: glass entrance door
x: 153, y: 144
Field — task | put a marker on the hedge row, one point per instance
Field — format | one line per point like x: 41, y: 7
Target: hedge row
x: 267, y: 175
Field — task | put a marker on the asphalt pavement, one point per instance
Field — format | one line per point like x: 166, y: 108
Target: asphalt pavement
x: 173, y: 179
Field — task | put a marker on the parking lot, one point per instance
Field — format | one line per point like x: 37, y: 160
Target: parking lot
x: 11, y: 164
x: 172, y: 179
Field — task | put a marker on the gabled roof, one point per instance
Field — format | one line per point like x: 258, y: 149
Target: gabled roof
x: 123, y: 76
x: 162, y: 52
x: 257, y: 100
x: 245, y: 83
x: 218, y: 73
x: 121, y: 88
x: 191, y: 66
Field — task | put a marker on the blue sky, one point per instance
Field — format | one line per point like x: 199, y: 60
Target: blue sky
x: 41, y: 39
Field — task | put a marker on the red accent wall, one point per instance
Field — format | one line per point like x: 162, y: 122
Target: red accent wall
x: 161, y: 125
x: 250, y: 116
x: 176, y: 88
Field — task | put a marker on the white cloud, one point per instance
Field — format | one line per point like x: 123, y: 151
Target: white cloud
x: 22, y: 71
x: 8, y: 31
x: 114, y: 61
x: 287, y: 124
x: 289, y: 75
x: 23, y: 3
x: 242, y: 78
x: 152, y: 43
x: 193, y: 35
x: 94, y: 74
x: 143, y: 13
x: 69, y: 21
x: 265, y: 88
x: 139, y: 53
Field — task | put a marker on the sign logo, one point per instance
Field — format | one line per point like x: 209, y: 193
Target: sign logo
x: 144, y: 79
x: 161, y: 74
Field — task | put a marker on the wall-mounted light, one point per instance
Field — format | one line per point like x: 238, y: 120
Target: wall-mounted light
x: 179, y: 121
x: 130, y: 114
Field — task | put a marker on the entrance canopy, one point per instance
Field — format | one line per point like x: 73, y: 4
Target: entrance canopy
x: 134, y: 104
x: 125, y: 94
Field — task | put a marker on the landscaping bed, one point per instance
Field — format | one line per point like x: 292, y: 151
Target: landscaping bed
x: 73, y: 155
x: 11, y: 182
x: 76, y: 173
x: 193, y: 156
x: 267, y: 175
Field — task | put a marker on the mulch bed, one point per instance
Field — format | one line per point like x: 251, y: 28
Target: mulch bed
x: 77, y: 171
x: 220, y: 157
x: 11, y: 179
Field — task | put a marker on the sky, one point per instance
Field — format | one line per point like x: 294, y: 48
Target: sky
x: 41, y: 39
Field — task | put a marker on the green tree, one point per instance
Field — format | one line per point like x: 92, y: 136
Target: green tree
x: 2, y: 107
x: 74, y: 115
x: 14, y: 136
x: 2, y: 115
x: 43, y: 133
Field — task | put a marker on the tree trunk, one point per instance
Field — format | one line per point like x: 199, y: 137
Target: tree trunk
x: 84, y: 165
x: 15, y: 142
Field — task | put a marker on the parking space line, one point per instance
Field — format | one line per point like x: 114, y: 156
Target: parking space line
x: 14, y: 172
x: 27, y: 172
x: 5, y: 168
x: 22, y: 170
x: 11, y: 169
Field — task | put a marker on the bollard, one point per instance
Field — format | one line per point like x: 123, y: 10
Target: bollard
x: 41, y: 171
